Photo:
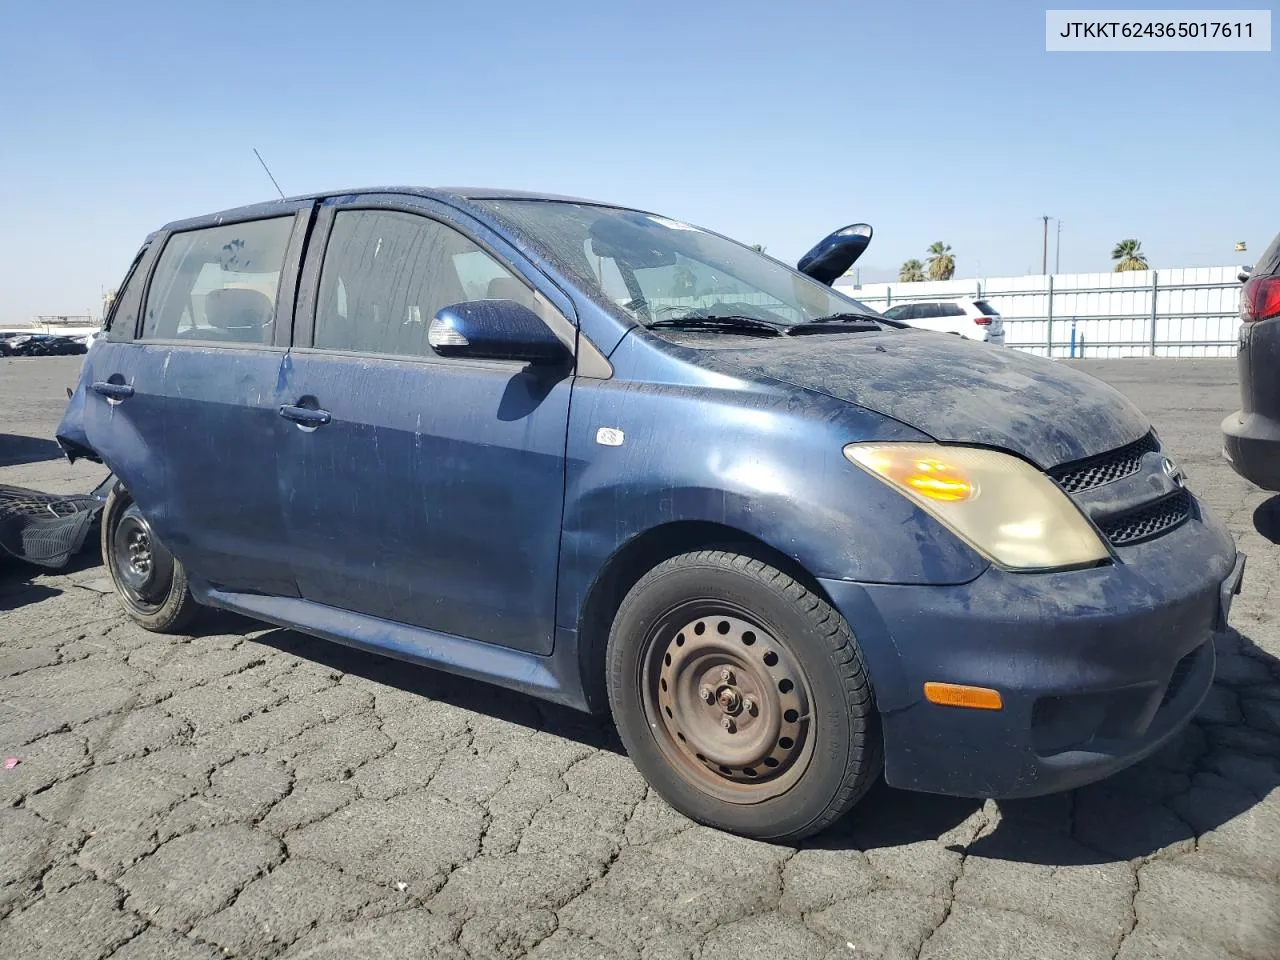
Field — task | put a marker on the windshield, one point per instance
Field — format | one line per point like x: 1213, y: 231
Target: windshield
x: 654, y: 269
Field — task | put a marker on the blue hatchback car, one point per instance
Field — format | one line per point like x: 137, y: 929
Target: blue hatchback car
x: 614, y: 460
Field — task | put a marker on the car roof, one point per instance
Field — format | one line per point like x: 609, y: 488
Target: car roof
x: 443, y: 194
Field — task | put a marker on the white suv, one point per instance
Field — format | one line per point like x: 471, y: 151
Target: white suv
x: 973, y: 319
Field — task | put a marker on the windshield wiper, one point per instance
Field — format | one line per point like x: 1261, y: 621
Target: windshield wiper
x: 838, y: 323
x: 696, y: 321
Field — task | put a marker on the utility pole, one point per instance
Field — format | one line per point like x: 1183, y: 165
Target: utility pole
x: 1044, y: 252
x: 1057, y: 251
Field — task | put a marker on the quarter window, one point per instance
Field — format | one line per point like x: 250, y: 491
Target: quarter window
x: 218, y: 284
x: 386, y: 274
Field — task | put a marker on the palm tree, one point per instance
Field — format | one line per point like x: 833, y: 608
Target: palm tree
x: 942, y: 262
x: 911, y: 272
x: 1128, y: 256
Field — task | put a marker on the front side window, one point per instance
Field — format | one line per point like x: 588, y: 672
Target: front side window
x: 386, y: 274
x: 218, y: 284
x: 651, y: 268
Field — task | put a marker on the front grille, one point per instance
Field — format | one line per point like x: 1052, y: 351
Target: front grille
x: 1148, y: 521
x: 1104, y: 468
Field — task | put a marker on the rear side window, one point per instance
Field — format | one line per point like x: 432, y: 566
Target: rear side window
x: 951, y: 310
x: 986, y: 308
x: 1269, y: 263
x: 127, y: 300
x: 386, y: 274
x: 926, y: 311
x: 219, y: 284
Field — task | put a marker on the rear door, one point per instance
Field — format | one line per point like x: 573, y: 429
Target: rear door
x: 179, y: 398
x: 927, y: 316
x: 954, y: 319
x: 422, y: 490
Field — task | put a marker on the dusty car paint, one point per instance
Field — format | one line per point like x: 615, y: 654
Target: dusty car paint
x: 486, y: 532
x: 1251, y: 435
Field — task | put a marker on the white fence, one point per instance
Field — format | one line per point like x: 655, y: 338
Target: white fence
x: 1187, y: 312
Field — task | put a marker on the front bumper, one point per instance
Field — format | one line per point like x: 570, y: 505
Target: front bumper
x: 1096, y: 668
x: 1251, y: 444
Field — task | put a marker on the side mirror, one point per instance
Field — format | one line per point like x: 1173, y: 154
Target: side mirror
x: 835, y: 254
x: 494, y: 330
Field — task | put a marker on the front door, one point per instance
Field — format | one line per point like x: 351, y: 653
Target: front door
x: 419, y: 489
x: 182, y: 407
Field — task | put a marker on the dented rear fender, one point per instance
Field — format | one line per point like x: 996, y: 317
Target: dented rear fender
x: 71, y: 435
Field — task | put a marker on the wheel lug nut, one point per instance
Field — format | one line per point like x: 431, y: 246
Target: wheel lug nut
x: 749, y: 705
x: 727, y: 723
x: 707, y: 694
x: 726, y: 675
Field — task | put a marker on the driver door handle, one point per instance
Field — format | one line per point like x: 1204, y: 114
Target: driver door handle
x: 113, y: 391
x: 305, y: 415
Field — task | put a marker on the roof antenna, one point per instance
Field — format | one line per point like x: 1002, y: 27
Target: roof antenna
x: 269, y: 174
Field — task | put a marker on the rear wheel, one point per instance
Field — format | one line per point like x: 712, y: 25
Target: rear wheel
x: 742, y: 697
x: 150, y: 582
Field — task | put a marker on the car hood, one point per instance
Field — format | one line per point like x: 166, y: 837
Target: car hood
x: 954, y: 390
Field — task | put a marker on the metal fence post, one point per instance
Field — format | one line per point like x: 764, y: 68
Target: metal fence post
x: 1048, y: 335
x: 1155, y: 289
x: 888, y: 297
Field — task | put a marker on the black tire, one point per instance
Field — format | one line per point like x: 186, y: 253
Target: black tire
x: 785, y: 654
x: 153, y: 592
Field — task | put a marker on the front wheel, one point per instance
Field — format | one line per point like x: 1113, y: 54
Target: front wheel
x: 150, y: 582
x: 742, y: 697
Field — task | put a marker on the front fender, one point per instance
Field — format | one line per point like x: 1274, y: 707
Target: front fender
x: 756, y: 461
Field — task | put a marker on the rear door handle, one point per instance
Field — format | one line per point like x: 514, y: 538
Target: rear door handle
x: 305, y: 415
x: 113, y: 391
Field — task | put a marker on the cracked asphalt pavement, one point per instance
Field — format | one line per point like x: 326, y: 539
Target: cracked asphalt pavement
x: 252, y: 792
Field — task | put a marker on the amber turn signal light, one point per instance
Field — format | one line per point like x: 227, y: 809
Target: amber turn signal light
x: 962, y: 695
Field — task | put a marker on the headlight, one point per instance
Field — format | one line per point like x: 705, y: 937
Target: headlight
x: 1001, y: 506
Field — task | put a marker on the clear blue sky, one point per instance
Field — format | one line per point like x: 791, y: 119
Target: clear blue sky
x: 772, y: 122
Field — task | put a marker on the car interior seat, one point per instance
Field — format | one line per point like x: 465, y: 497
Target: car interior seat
x: 509, y: 288
x: 240, y: 314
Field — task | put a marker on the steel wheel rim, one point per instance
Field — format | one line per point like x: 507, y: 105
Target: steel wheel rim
x: 727, y: 703
x: 143, y: 568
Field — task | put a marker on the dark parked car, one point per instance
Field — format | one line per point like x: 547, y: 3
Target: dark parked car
x: 41, y: 345
x: 1251, y: 435
x: 611, y: 459
x: 63, y: 346
x: 20, y: 345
